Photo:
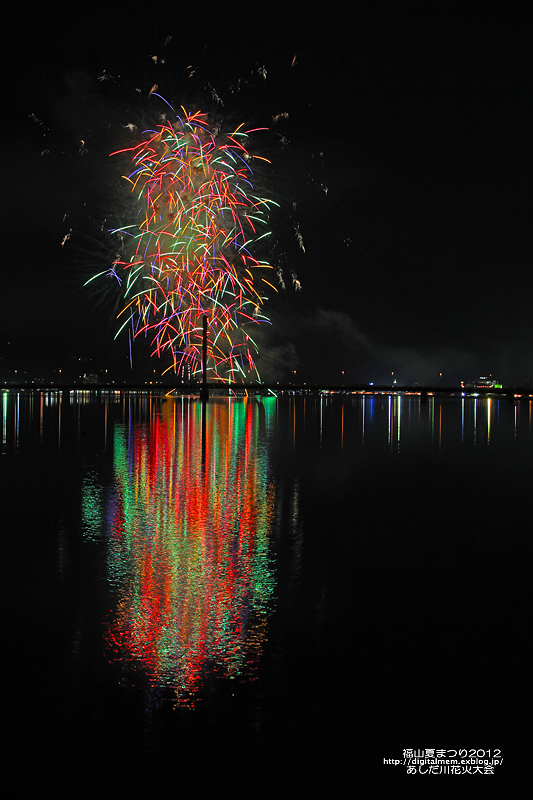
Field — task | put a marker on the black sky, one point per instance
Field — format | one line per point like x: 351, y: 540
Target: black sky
x: 405, y: 165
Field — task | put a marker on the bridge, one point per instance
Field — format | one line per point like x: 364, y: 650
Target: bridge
x: 269, y: 389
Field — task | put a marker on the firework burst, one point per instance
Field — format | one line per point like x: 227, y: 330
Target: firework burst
x: 189, y: 251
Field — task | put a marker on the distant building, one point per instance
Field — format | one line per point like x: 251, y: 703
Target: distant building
x: 90, y: 377
x: 483, y: 382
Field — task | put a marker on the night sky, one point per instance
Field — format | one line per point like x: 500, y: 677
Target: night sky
x: 401, y: 162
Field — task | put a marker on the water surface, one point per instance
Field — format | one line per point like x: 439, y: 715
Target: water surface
x: 260, y: 591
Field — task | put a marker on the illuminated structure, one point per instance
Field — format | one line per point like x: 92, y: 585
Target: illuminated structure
x: 483, y: 382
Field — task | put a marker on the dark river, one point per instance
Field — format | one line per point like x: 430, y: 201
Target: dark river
x: 265, y: 599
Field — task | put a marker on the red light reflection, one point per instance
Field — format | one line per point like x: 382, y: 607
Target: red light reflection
x: 188, y: 531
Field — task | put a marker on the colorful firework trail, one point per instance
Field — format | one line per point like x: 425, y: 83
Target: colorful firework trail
x: 189, y: 249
